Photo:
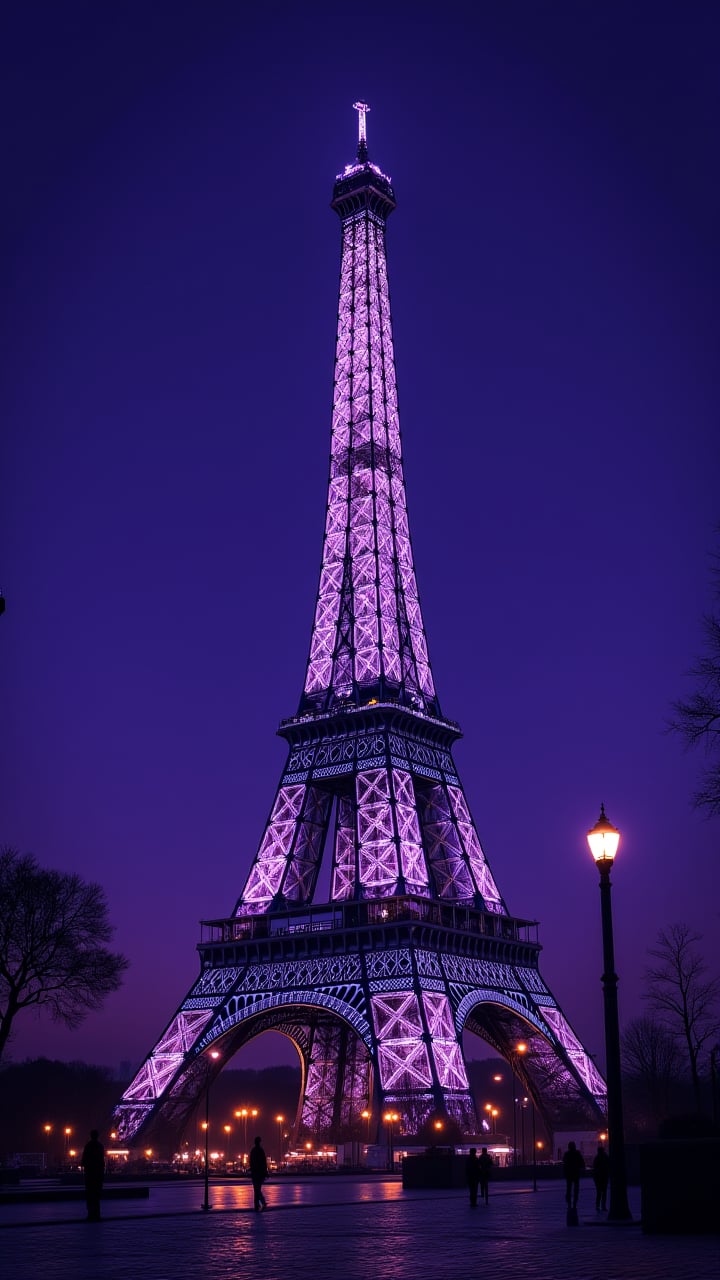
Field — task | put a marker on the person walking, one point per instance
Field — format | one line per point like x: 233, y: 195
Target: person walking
x: 258, y: 1173
x: 472, y: 1175
x: 601, y: 1177
x: 573, y: 1166
x: 486, y: 1163
x: 93, y: 1163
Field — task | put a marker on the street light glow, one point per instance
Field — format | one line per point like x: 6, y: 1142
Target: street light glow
x: 603, y: 839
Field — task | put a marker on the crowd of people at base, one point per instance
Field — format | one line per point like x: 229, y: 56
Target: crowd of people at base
x: 574, y: 1167
x: 93, y: 1164
x: 477, y: 1173
x: 478, y: 1170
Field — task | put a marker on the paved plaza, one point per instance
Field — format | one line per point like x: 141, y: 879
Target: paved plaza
x: 356, y: 1229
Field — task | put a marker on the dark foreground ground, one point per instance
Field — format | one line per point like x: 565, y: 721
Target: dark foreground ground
x: 352, y: 1228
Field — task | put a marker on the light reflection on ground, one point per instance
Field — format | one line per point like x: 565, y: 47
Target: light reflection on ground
x: 281, y: 1191
x: 225, y: 1196
x: 361, y: 1230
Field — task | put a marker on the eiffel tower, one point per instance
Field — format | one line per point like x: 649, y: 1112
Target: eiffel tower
x: 415, y: 944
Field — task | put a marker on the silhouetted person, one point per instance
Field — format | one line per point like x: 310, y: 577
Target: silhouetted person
x: 601, y: 1177
x: 486, y: 1165
x: 573, y: 1166
x: 93, y: 1163
x: 258, y: 1173
x: 472, y: 1175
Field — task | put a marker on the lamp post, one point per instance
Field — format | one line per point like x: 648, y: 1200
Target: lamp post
x: 523, y: 1104
x: 390, y: 1118
x: 279, y: 1120
x: 497, y: 1079
x: 603, y: 840
x: 205, y: 1206
x: 241, y: 1114
x: 517, y: 1052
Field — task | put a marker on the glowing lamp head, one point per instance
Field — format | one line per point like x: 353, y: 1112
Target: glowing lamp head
x: 603, y: 840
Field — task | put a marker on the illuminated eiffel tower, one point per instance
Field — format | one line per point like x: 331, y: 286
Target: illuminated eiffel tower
x: 376, y: 985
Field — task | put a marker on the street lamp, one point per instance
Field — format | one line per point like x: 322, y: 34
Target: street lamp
x: 523, y: 1104
x: 367, y: 1116
x: 603, y: 840
x: 518, y: 1051
x: 279, y: 1120
x: 206, y: 1202
x: 493, y: 1113
x: 390, y: 1118
x: 244, y: 1114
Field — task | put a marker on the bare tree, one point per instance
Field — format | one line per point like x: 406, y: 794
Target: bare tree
x: 697, y: 718
x: 651, y: 1056
x: 53, y: 927
x: 685, y: 1001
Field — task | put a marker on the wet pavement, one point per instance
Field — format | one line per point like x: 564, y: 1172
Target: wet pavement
x: 359, y: 1229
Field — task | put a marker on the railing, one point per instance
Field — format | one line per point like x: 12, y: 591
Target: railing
x: 383, y: 704
x: 379, y: 911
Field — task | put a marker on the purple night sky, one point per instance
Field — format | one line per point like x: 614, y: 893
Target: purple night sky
x: 170, y: 270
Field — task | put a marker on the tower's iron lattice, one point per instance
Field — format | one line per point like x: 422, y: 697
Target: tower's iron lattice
x: 375, y: 986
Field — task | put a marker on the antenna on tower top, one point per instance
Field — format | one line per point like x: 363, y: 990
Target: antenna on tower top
x: 362, y: 109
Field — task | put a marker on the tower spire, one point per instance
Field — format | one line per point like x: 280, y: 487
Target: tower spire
x: 368, y: 640
x: 362, y: 109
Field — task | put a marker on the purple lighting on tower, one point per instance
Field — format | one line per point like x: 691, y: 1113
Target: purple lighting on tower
x: 362, y: 109
x: 368, y: 645
x: 376, y: 985
x: 368, y: 637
